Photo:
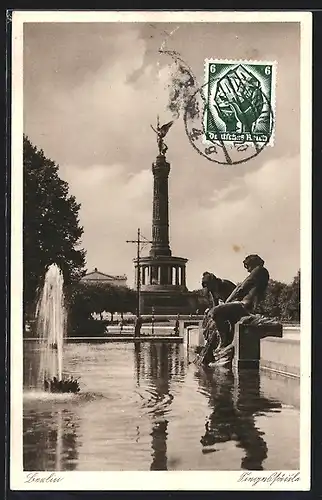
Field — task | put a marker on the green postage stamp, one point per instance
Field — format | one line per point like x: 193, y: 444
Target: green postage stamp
x: 240, y: 101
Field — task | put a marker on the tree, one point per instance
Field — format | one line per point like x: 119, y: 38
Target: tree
x: 282, y: 300
x: 271, y: 305
x: 87, y: 298
x: 52, y: 231
x: 127, y: 300
x: 201, y: 300
x: 291, y: 300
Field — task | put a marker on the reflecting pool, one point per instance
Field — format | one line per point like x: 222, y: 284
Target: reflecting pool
x: 145, y: 407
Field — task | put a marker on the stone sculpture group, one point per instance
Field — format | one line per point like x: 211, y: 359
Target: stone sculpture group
x: 232, y: 304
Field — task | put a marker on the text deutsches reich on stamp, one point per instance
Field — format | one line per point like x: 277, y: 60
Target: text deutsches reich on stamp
x: 240, y: 97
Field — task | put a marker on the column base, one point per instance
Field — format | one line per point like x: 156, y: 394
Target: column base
x: 166, y: 302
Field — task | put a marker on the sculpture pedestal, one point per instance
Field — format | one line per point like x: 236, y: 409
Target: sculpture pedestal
x: 247, y: 343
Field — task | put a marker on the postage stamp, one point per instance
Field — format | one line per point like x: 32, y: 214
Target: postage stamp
x: 150, y: 185
x: 240, y: 98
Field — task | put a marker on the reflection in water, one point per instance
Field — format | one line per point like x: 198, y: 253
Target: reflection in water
x: 160, y: 374
x: 50, y: 440
x: 143, y: 407
x: 50, y: 431
x: 235, y: 401
x: 163, y: 362
x: 31, y: 364
x: 137, y: 362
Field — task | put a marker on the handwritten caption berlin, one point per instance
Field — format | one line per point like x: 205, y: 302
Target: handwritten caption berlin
x: 43, y: 478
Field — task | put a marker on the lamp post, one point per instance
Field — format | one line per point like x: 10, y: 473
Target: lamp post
x: 152, y: 320
x: 138, y: 242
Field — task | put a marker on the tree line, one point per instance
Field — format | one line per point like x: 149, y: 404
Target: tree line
x: 84, y: 299
x: 283, y: 301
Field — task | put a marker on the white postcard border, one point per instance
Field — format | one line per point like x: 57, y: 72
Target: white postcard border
x: 169, y: 480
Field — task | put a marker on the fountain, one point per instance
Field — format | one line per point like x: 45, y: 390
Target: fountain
x: 51, y: 324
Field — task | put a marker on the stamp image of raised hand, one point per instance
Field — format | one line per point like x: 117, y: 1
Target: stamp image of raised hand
x: 240, y: 92
x: 225, y: 110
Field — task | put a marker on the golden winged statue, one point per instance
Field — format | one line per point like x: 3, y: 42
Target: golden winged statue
x: 161, y: 133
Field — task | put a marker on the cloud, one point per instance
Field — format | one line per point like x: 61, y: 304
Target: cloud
x: 113, y: 205
x: 104, y: 115
x: 257, y: 213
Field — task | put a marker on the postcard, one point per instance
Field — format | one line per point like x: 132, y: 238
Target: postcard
x: 160, y: 322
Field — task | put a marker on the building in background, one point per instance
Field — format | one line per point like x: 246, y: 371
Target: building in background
x: 97, y: 276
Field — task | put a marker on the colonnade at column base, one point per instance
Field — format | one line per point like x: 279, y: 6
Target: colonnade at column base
x: 162, y: 271
x: 163, y: 285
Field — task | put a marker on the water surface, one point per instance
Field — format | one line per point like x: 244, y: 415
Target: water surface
x: 145, y: 407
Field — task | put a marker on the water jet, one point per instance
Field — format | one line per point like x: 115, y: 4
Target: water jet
x: 51, y: 326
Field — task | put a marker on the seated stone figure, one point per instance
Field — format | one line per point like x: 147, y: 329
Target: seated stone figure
x: 242, y: 302
x: 219, y: 290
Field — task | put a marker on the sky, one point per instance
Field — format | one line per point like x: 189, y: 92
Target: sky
x: 91, y: 91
